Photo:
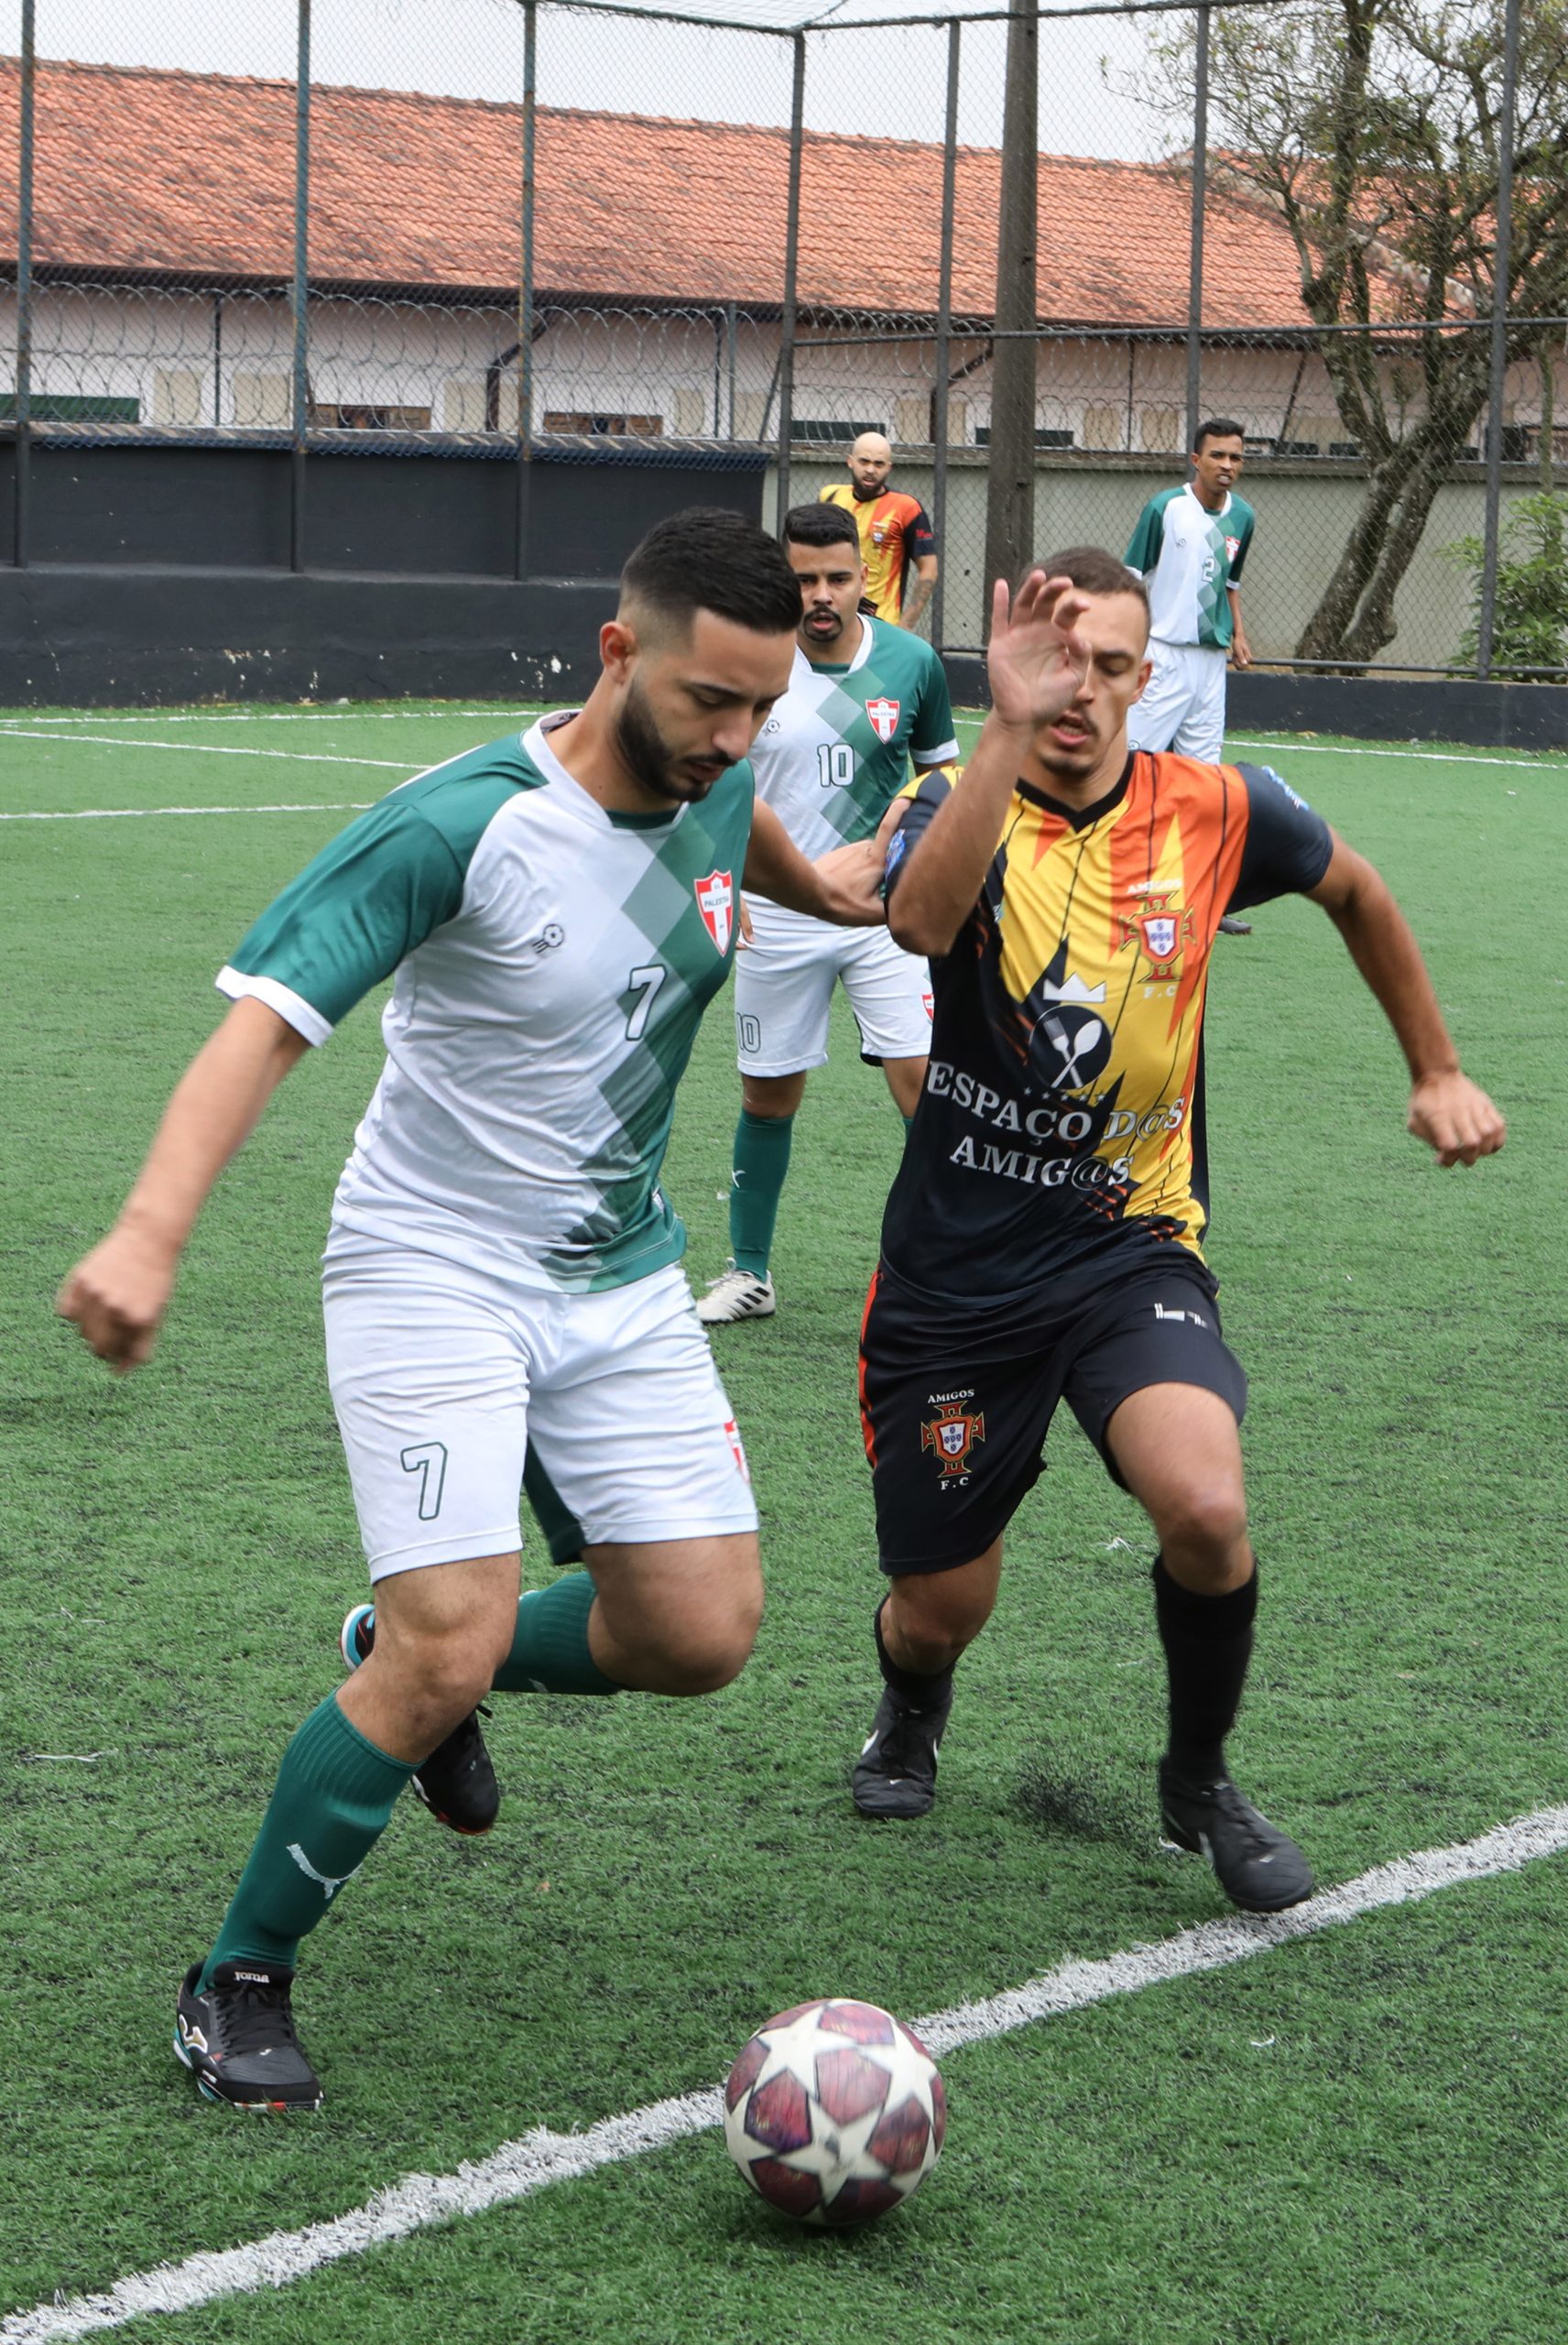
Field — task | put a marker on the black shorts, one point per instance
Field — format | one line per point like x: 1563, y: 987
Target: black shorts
x: 956, y: 1411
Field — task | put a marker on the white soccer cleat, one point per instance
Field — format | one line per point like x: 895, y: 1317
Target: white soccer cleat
x: 737, y: 1294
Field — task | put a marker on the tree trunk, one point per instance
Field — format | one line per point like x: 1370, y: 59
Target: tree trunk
x: 1355, y: 617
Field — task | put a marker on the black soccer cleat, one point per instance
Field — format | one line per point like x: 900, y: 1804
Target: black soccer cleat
x: 457, y: 1782
x: 895, y: 1774
x: 237, y: 2038
x: 1260, y: 1868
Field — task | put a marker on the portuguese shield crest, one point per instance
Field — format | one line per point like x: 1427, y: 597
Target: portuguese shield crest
x: 953, y: 1435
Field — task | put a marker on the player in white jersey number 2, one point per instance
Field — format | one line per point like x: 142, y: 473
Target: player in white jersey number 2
x: 502, y: 1273
x: 864, y: 698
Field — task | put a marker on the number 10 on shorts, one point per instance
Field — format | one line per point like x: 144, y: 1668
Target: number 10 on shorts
x: 428, y: 1460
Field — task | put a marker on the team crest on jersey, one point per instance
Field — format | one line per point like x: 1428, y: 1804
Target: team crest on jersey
x: 1163, y: 927
x: 1232, y: 548
x: 883, y: 717
x: 716, y: 901
x: 953, y: 1435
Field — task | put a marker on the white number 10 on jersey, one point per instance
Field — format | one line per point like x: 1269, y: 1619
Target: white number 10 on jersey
x: 835, y: 764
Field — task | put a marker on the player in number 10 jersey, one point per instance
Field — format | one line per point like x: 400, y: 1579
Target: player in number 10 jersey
x: 864, y: 698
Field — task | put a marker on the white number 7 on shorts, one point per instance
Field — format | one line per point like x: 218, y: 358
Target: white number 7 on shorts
x: 429, y: 1461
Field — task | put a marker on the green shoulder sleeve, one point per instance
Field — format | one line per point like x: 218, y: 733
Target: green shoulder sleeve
x: 1248, y: 520
x: 934, y: 719
x: 1148, y: 537
x: 380, y: 887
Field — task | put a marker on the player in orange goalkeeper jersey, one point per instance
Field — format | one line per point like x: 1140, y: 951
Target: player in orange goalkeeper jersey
x: 898, y: 543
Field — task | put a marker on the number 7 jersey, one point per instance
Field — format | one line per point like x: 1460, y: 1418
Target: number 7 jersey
x: 551, y: 961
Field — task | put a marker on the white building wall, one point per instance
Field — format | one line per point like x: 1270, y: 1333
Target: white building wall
x: 200, y: 358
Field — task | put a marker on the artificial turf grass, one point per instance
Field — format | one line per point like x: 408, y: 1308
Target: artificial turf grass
x: 183, y: 1548
x: 1338, y: 2142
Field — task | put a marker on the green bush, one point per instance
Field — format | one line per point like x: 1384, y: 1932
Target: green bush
x: 1529, y: 624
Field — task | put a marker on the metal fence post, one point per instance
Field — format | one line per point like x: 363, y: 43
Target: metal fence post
x: 21, y: 506
x: 940, y: 404
x: 301, y: 400
x: 1195, y: 261
x: 1501, y: 270
x: 730, y: 330
x: 520, y: 552
x: 791, y: 258
x: 1010, y: 478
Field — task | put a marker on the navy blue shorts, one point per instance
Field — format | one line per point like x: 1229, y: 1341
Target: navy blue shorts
x: 956, y: 1405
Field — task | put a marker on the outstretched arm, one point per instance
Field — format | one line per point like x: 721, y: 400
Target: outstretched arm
x: 117, y: 1295
x: 1448, y: 1111
x: 1037, y: 663
x: 844, y: 886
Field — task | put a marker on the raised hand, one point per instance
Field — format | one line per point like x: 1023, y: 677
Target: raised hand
x: 1037, y: 661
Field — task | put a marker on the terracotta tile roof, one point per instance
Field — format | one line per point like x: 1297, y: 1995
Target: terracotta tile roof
x: 193, y: 174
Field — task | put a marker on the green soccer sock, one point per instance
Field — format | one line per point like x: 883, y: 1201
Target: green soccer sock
x: 761, y: 1160
x: 549, y: 1650
x: 334, y: 1798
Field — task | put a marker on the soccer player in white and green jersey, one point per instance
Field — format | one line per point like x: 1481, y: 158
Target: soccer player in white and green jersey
x: 864, y: 698
x: 1189, y: 548
x: 502, y: 1273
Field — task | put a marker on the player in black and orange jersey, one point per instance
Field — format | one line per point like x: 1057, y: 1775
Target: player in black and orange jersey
x: 1043, y: 1239
x: 898, y: 543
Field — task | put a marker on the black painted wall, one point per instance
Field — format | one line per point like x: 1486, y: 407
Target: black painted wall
x: 160, y: 573
x: 421, y: 513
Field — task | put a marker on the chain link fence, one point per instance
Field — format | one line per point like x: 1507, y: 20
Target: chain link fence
x: 508, y: 231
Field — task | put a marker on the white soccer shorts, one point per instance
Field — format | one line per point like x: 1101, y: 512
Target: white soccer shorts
x: 1184, y: 708
x: 442, y: 1374
x: 784, y: 983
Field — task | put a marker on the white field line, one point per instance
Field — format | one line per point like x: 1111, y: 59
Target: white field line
x: 210, y: 749
x: 1292, y: 747
x: 521, y: 2168
x: 1295, y: 749
x: 140, y: 813
x: 18, y: 718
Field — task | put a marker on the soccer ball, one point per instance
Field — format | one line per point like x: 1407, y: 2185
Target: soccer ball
x: 834, y: 2112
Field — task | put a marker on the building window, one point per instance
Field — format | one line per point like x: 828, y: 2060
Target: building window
x: 65, y: 407
x: 338, y: 417
x: 594, y: 424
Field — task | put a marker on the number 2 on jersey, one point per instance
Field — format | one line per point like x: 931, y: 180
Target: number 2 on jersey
x: 645, y: 983
x: 835, y: 764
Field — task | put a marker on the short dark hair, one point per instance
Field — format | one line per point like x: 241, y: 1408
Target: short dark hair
x: 1218, y: 427
x: 820, y: 525
x: 1094, y: 571
x: 706, y: 558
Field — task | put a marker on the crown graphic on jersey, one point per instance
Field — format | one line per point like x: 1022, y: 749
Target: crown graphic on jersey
x: 1073, y: 990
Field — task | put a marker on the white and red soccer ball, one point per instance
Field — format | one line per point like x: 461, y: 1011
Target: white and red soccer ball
x: 834, y: 2112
